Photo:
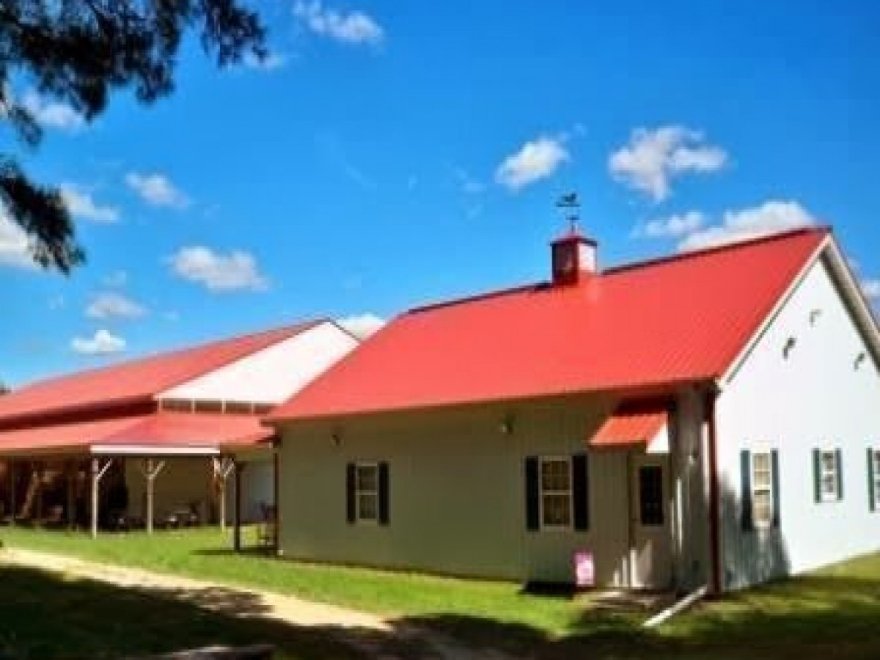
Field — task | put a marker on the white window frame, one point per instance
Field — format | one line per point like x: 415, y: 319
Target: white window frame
x: 875, y: 456
x: 358, y: 492
x: 768, y: 488
x: 834, y: 472
x: 541, y: 493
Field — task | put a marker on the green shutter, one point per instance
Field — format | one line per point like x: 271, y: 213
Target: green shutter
x: 532, y: 495
x: 383, y: 493
x: 580, y: 491
x: 774, y: 467
x: 349, y: 493
x: 872, y: 496
x: 838, y: 461
x: 817, y: 475
x: 745, y: 463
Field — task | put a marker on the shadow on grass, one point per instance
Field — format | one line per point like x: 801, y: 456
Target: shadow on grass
x: 44, y: 615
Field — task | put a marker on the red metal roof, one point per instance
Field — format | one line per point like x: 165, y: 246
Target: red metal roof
x: 157, y: 431
x: 135, y: 380
x: 192, y: 430
x: 680, y: 318
x: 629, y: 426
x: 76, y: 435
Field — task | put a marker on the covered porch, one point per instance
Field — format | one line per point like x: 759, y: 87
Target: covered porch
x: 160, y: 470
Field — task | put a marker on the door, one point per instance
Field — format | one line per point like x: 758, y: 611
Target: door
x: 650, y: 546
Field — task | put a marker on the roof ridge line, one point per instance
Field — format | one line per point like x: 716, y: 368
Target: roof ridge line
x: 536, y: 286
x: 714, y: 249
x: 166, y: 353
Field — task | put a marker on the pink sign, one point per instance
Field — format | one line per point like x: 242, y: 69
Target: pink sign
x: 584, y: 569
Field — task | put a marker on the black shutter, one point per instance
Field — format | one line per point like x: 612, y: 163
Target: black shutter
x: 532, y: 508
x: 872, y: 495
x: 817, y: 475
x: 774, y: 467
x: 350, y: 506
x: 838, y: 460
x: 580, y: 491
x: 383, y: 493
x: 745, y: 462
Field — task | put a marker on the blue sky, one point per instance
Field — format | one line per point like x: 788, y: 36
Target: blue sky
x: 391, y: 154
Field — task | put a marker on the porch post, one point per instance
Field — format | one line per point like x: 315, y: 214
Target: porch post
x: 150, y: 491
x: 150, y: 472
x: 236, y: 538
x: 222, y: 468
x: 276, y: 474
x: 12, y: 503
x: 70, y: 473
x: 98, y: 471
x: 38, y: 471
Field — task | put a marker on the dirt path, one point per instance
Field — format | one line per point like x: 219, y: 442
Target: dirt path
x: 243, y: 602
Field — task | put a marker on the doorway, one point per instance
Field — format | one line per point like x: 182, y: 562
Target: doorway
x: 650, y: 539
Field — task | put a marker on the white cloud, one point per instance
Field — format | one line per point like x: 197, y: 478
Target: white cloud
x: 652, y: 158
x: 117, y: 279
x: 52, y: 113
x: 81, y: 204
x: 111, y: 305
x: 102, y: 343
x: 674, y: 226
x: 235, y: 271
x: 14, y: 244
x: 469, y: 185
x: 770, y: 217
x: 353, y: 27
x: 872, y: 289
x: 156, y: 190
x: 362, y: 325
x: 271, y: 62
x: 536, y: 159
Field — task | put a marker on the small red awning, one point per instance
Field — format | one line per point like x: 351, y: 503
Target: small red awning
x: 161, y: 432
x: 630, y: 425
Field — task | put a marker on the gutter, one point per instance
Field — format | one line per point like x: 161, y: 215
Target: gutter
x: 714, y: 501
x: 679, y: 606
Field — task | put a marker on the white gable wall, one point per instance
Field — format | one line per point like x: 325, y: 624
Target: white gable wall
x: 815, y: 398
x: 273, y: 374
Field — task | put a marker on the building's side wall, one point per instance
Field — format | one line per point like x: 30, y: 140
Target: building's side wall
x: 273, y: 374
x: 814, y: 398
x: 457, y: 493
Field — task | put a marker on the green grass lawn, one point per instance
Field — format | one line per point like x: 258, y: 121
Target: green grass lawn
x: 831, y: 613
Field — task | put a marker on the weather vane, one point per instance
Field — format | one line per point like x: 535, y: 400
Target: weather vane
x: 570, y: 207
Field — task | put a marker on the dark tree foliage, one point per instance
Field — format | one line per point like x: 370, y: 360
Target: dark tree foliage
x: 78, y: 52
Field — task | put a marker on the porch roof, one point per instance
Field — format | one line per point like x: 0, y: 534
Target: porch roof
x: 631, y: 425
x: 160, y: 433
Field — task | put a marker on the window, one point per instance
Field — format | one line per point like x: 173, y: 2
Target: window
x: 827, y: 474
x: 651, y: 495
x: 762, y: 489
x: 555, y: 492
x: 367, y: 492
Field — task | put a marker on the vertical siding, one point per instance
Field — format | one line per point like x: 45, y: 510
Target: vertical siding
x: 457, y: 495
x: 814, y: 398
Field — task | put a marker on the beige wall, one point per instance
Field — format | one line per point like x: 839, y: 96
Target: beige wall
x: 457, y: 492
x: 181, y: 481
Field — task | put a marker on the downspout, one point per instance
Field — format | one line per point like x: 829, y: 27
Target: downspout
x: 714, y: 502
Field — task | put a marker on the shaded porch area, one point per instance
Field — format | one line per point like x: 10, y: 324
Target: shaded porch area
x: 157, y: 471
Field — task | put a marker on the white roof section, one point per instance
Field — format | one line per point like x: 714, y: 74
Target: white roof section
x: 271, y: 375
